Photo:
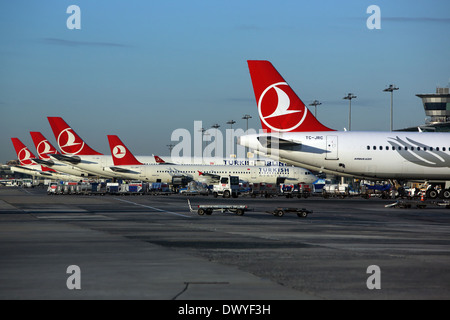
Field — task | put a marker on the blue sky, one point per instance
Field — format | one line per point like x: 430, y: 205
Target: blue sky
x: 141, y: 69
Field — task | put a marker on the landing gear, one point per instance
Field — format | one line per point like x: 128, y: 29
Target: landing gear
x: 445, y: 194
x: 432, y: 193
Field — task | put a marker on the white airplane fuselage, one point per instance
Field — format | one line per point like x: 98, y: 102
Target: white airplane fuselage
x: 252, y: 174
x: 101, y: 165
x: 375, y: 155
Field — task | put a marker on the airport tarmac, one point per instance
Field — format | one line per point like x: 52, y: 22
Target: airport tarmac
x: 153, y: 247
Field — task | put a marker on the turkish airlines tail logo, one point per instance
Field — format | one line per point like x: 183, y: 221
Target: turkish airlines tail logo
x: 283, y: 103
x: 279, y: 108
x: 120, y: 153
x: 43, y: 146
x: 159, y: 160
x: 68, y: 140
x: 23, y: 153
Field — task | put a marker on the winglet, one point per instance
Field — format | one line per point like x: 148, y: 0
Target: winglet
x: 120, y: 153
x: 279, y: 108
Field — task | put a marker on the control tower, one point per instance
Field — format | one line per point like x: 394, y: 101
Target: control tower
x: 437, y: 105
x: 437, y: 109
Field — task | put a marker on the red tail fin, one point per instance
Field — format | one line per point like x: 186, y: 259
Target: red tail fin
x: 68, y: 140
x: 120, y: 153
x: 23, y: 153
x: 159, y: 160
x: 43, y: 146
x: 280, y: 109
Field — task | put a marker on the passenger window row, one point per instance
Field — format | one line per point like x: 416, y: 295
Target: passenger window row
x: 407, y: 148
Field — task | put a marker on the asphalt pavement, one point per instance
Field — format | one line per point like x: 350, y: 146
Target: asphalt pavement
x: 153, y: 247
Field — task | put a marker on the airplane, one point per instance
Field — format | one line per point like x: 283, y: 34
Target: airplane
x: 44, y: 148
x: 293, y: 135
x: 28, y: 166
x: 77, y: 153
x: 127, y: 164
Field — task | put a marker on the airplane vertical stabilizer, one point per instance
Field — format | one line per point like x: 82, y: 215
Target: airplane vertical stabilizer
x: 23, y: 153
x: 43, y: 146
x: 279, y: 108
x: 68, y: 140
x: 120, y: 153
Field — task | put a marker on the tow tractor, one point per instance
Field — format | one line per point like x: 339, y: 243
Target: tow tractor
x: 406, y: 204
x: 228, y: 186
x: 301, y: 212
x: 208, y: 209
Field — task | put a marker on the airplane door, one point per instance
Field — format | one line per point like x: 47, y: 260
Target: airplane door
x: 296, y: 174
x: 332, y: 148
x: 253, y: 174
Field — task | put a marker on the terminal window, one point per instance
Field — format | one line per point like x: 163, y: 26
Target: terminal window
x: 436, y: 106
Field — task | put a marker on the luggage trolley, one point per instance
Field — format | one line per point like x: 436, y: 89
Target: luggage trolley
x: 208, y: 209
x: 301, y: 212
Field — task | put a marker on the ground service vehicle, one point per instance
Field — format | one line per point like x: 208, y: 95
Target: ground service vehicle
x: 266, y: 190
x: 52, y: 188
x: 299, y: 190
x: 227, y: 186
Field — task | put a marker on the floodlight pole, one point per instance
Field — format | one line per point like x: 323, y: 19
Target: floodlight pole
x: 349, y: 97
x: 391, y: 89
x: 231, y: 122
x: 202, y: 130
x: 170, y: 146
x: 246, y: 117
x: 315, y: 103
x: 215, y: 126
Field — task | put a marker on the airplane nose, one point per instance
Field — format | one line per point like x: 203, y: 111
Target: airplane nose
x: 238, y: 140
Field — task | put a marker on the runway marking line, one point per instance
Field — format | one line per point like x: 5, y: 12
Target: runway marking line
x: 153, y: 208
x: 27, y: 191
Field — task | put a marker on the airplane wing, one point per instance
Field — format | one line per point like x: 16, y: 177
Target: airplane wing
x: 271, y: 141
x: 210, y: 175
x: 25, y: 168
x: 123, y: 170
x: 40, y: 172
x: 63, y: 158
x: 42, y: 162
